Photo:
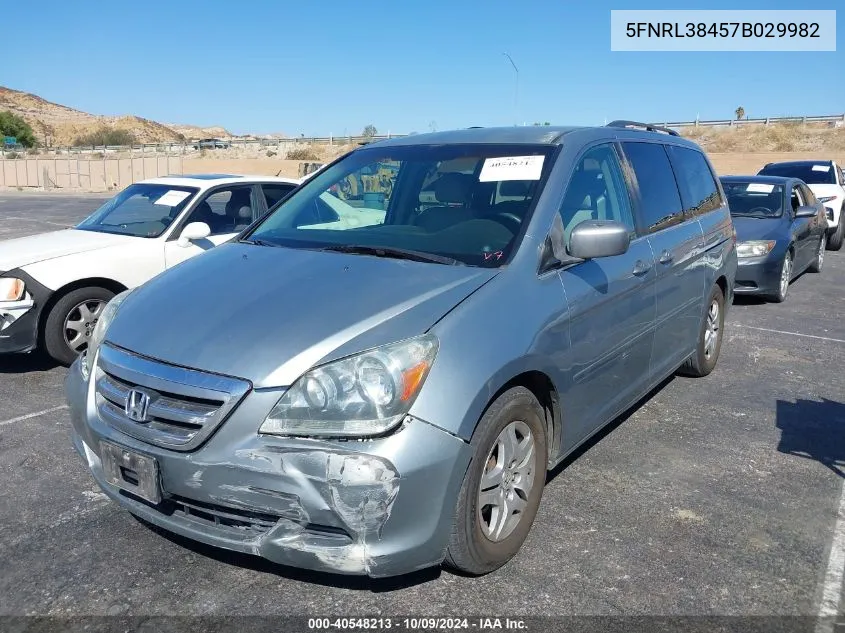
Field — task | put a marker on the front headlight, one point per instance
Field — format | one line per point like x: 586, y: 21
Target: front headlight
x: 827, y: 199
x: 100, y: 330
x: 11, y: 289
x: 365, y: 394
x: 754, y: 248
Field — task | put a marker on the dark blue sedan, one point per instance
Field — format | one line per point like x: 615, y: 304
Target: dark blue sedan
x: 781, y: 232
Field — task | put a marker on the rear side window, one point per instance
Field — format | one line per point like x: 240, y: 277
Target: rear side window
x: 660, y: 203
x: 276, y: 192
x: 699, y: 191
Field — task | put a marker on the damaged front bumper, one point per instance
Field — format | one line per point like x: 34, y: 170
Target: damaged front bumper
x: 379, y: 507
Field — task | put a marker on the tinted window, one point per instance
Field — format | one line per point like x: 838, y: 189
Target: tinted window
x: 818, y: 174
x: 596, y: 191
x: 754, y: 199
x: 660, y: 203
x: 276, y: 192
x: 696, y: 182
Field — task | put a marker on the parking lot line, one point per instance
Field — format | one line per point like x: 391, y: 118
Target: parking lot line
x: 33, y: 415
x: 766, y: 329
x: 835, y: 565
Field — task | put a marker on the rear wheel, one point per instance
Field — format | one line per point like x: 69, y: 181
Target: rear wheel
x: 818, y: 262
x: 501, y: 491
x: 834, y: 242
x: 703, y: 361
x: 71, y: 321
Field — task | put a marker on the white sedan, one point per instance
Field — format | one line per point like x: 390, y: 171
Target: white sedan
x: 54, y: 286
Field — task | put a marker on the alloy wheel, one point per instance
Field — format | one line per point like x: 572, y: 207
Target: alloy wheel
x: 785, y: 274
x: 711, y: 331
x: 79, y: 323
x: 507, y: 481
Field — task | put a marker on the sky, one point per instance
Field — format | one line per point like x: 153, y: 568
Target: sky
x: 332, y: 67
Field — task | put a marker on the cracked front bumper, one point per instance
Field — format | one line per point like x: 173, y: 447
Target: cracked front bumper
x: 18, y: 326
x: 379, y: 507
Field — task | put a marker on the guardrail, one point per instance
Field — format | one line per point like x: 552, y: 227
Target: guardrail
x: 830, y: 118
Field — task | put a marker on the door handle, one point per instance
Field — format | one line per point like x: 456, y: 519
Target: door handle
x: 665, y: 257
x: 640, y: 268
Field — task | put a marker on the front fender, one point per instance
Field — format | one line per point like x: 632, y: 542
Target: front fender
x: 510, y: 326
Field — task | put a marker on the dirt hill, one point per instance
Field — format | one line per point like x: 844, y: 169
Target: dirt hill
x: 60, y: 125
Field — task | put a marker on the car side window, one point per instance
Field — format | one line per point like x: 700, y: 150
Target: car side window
x: 796, y: 199
x: 659, y: 201
x: 596, y: 191
x: 696, y: 181
x: 275, y: 192
x: 807, y: 194
x: 226, y: 210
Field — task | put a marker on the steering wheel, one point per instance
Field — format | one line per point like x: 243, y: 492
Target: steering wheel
x: 760, y: 211
x: 511, y: 221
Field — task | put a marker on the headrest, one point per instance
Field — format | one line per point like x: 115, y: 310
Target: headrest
x: 453, y: 188
x: 239, y: 198
x: 515, y: 188
x: 245, y: 212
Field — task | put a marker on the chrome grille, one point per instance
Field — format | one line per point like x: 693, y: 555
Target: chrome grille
x: 183, y: 407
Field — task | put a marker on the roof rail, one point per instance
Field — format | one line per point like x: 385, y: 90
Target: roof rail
x: 645, y: 126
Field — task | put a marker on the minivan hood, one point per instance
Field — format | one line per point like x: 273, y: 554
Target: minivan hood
x: 758, y: 228
x: 24, y: 251
x: 269, y: 314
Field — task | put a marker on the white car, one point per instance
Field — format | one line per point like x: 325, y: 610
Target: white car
x: 827, y: 182
x: 54, y: 286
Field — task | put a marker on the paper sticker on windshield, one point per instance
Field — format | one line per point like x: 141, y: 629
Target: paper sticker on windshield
x: 172, y: 198
x: 821, y: 167
x: 759, y: 187
x: 512, y: 168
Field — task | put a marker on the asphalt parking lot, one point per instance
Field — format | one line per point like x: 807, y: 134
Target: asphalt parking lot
x: 714, y: 496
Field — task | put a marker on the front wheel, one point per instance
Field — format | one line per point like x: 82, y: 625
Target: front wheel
x: 834, y: 242
x: 71, y: 321
x: 501, y: 491
x: 783, y: 281
x: 703, y: 360
x: 818, y: 262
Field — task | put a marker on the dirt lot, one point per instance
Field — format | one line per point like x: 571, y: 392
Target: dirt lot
x: 715, y: 496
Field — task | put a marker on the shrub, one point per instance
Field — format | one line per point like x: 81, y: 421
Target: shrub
x: 13, y: 125
x: 12, y: 155
x: 270, y: 153
x: 105, y: 136
x: 303, y: 153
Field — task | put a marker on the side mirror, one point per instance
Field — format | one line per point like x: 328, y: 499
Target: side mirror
x: 193, y: 231
x: 599, y: 238
x: 805, y: 212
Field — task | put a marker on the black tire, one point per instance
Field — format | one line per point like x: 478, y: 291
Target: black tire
x: 818, y: 262
x: 470, y: 550
x: 834, y: 242
x: 55, y: 343
x: 781, y: 294
x: 702, y: 362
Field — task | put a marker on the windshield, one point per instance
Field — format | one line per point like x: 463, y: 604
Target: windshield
x: 820, y: 174
x: 140, y: 210
x: 456, y: 203
x: 754, y: 199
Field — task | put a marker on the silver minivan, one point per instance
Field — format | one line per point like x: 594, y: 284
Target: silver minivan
x: 376, y: 376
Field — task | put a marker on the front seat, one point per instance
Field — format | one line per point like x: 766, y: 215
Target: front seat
x: 579, y: 203
x: 203, y: 213
x: 453, y: 189
x: 238, y: 210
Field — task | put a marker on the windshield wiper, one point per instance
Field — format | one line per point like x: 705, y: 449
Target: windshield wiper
x: 391, y: 252
x: 260, y: 243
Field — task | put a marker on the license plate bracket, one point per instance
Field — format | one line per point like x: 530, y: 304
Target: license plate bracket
x: 131, y: 471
